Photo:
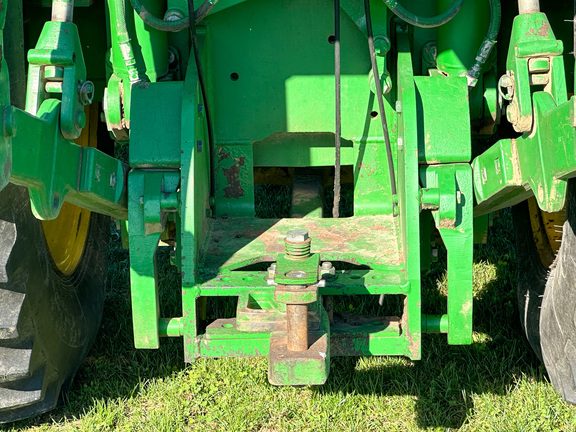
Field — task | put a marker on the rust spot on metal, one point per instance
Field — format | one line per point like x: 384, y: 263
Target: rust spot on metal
x: 371, y: 240
x: 222, y: 156
x: 545, y: 29
x: 232, y: 174
x: 447, y: 223
x: 297, y: 326
x: 369, y: 171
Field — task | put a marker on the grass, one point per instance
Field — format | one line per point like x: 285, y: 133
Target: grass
x: 495, y: 384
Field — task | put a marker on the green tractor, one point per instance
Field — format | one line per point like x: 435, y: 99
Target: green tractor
x: 392, y: 125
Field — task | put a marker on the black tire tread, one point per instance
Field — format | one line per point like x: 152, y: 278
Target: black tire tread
x: 532, y: 277
x: 14, y: 363
x: 557, y: 319
x: 48, y: 320
x: 22, y: 393
x: 12, y: 302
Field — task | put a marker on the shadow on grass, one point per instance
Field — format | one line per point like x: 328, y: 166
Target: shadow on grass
x: 447, y: 377
x: 442, y: 383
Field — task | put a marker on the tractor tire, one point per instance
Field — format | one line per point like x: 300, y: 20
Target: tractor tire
x: 52, y: 279
x: 48, y: 320
x: 52, y: 274
x: 547, y: 290
x: 532, y: 275
x: 558, y: 313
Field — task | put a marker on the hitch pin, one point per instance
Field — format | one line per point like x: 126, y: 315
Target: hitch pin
x: 62, y: 10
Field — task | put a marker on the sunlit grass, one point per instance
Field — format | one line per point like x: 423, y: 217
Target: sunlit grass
x: 495, y: 384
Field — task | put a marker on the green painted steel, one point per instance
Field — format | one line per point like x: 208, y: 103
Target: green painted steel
x: 155, y: 137
x: 445, y: 127
x: 38, y: 149
x: 56, y: 170
x: 57, y: 59
x: 291, y: 127
x: 146, y: 193
x: 459, y: 39
x: 540, y: 162
x: 269, y: 92
x: 453, y: 218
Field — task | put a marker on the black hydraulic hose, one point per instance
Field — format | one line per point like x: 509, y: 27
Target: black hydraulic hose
x: 338, y: 106
x: 119, y: 7
x: 487, y: 44
x: 425, y: 22
x: 204, y: 92
x: 380, y: 99
x: 172, y: 26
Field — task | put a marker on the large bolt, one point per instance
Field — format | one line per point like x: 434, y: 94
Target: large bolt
x: 272, y: 271
x: 297, y: 235
x: 297, y: 244
x: 382, y: 45
x: 297, y: 327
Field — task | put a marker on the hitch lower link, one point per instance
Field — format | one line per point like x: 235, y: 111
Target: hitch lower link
x: 300, y: 355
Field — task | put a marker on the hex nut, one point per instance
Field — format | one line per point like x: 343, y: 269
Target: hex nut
x: 297, y: 236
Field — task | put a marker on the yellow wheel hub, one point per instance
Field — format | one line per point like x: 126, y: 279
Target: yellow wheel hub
x: 67, y: 234
x: 546, y: 231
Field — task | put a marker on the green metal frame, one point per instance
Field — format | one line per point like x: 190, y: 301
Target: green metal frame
x: 212, y: 252
x: 540, y: 162
x: 38, y: 151
x: 270, y: 95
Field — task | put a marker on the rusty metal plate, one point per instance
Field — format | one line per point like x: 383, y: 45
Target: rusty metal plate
x: 368, y: 240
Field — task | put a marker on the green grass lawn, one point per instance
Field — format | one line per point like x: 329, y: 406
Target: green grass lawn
x: 497, y: 383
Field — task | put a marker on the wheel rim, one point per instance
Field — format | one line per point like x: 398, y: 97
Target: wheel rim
x: 546, y: 231
x: 67, y: 234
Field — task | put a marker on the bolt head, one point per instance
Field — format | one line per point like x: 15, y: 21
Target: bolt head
x: 326, y: 265
x: 297, y: 235
x: 382, y: 44
x: 296, y: 274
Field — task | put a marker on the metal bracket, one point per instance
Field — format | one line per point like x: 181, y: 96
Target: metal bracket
x: 57, y: 70
x: 56, y: 170
x: 539, y: 164
x: 151, y: 195
x: 534, y: 58
x: 453, y: 218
